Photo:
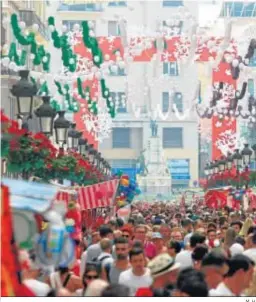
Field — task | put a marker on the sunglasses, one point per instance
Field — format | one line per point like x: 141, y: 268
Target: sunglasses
x: 91, y: 277
x: 125, y: 236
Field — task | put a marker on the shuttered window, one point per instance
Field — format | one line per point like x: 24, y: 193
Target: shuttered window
x: 172, y: 138
x: 121, y: 138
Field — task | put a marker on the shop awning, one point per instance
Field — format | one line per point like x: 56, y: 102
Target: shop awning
x: 30, y: 196
x: 100, y: 195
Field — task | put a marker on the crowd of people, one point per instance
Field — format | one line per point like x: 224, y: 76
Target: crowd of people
x: 158, y: 252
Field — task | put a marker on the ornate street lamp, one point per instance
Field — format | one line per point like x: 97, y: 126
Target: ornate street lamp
x: 237, y: 159
x: 46, y: 115
x: 246, y: 154
x: 229, y: 161
x: 206, y: 170
x: 98, y: 159
x: 83, y: 146
x: 61, y: 125
x: 92, y: 154
x: 24, y: 91
x: 254, y: 150
x: 222, y: 164
x: 73, y: 137
x: 215, y: 167
x: 211, y: 168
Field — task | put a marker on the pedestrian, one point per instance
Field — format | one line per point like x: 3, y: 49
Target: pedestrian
x: 138, y: 275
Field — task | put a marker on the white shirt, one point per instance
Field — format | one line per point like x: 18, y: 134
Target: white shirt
x: 185, y: 259
x: 251, y: 253
x: 40, y: 289
x: 106, y: 260
x: 187, y: 239
x: 83, y: 263
x: 135, y: 282
x: 221, y: 290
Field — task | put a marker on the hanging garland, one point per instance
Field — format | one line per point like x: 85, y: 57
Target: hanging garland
x: 13, y: 55
x: 44, y: 90
x: 105, y: 95
x: 97, y: 57
x: 92, y: 105
x: 69, y: 59
x: 39, y: 53
x: 71, y: 103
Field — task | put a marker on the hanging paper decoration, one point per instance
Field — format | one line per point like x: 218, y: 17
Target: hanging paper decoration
x: 39, y: 53
x: 69, y: 59
x: 97, y: 57
x: 19, y: 60
x: 70, y: 101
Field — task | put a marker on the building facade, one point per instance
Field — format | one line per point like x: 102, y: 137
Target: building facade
x: 141, y: 90
x: 30, y: 12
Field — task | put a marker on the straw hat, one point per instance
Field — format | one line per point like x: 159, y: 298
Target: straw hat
x: 162, y: 264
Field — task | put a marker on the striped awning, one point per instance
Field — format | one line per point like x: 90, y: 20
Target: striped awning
x: 100, y: 195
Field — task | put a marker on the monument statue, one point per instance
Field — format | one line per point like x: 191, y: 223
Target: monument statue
x: 154, y: 128
x: 142, y: 163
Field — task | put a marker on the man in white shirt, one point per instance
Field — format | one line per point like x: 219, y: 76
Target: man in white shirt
x: 251, y: 252
x: 237, y: 279
x: 138, y: 275
x: 185, y: 257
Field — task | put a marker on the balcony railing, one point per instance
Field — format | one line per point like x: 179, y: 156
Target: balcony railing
x: 7, y: 71
x: 30, y: 18
x: 83, y: 7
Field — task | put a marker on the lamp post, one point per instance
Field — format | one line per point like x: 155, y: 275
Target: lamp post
x: 246, y: 154
x: 73, y: 137
x: 24, y: 91
x: 46, y: 114
x: 83, y: 146
x: 238, y: 161
x: 61, y: 125
x: 254, y: 150
x: 92, y: 154
x: 207, y: 171
x: 222, y: 166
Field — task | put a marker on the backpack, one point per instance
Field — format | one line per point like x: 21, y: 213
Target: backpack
x: 107, y: 268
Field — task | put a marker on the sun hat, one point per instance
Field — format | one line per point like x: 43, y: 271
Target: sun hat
x: 162, y: 264
x: 157, y: 235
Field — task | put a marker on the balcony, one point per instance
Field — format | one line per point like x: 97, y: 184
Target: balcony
x: 83, y: 7
x: 30, y: 18
x: 8, y: 72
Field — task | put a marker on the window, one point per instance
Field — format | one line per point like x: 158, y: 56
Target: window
x: 178, y: 101
x: 119, y: 72
x: 123, y: 163
x: 238, y: 9
x: 172, y: 3
x: 172, y: 138
x: 113, y: 28
x: 120, y: 102
x: 165, y: 102
x: 251, y: 87
x: 83, y: 7
x: 170, y: 68
x: 117, y: 3
x: 128, y: 167
x: 121, y: 138
x: 252, y: 62
x: 172, y: 29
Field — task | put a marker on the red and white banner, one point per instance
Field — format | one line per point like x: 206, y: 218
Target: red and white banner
x: 97, y: 196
